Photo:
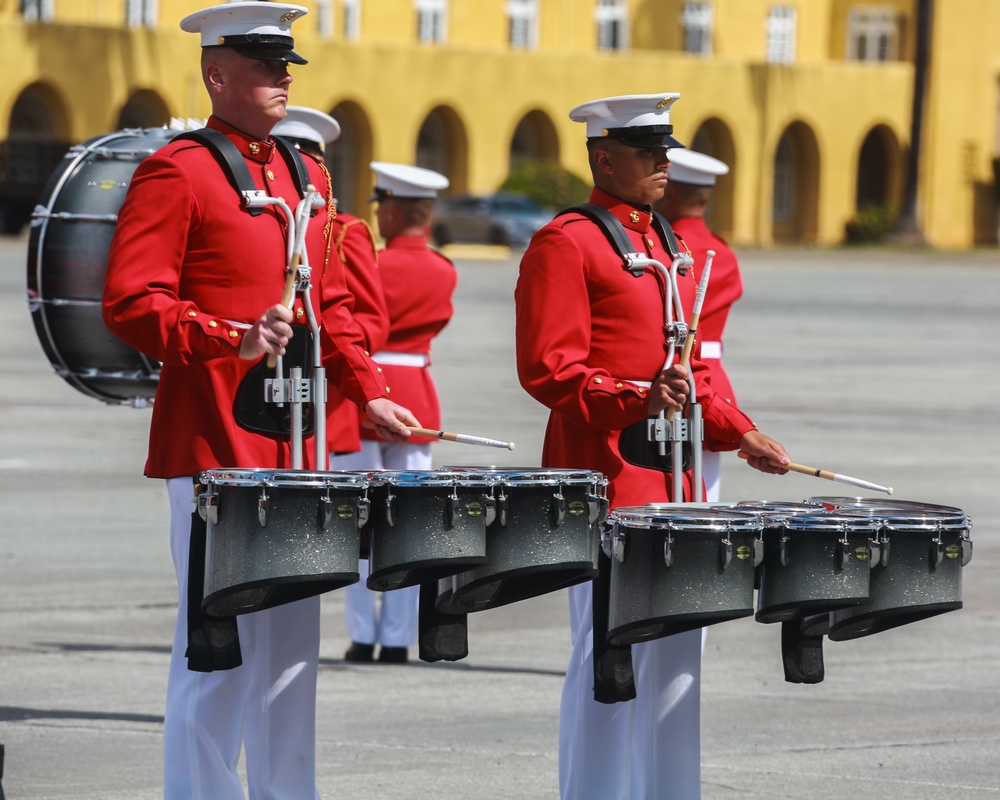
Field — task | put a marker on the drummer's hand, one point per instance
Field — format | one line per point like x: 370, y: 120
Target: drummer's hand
x: 269, y: 334
x: 763, y: 453
x: 390, y: 419
x: 669, y: 390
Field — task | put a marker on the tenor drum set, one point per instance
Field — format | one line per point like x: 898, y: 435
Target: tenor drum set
x: 484, y: 536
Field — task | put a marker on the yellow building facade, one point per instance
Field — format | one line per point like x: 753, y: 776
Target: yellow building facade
x: 809, y: 101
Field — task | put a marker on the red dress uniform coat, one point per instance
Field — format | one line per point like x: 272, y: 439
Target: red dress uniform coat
x: 189, y: 270
x: 354, y: 246
x: 418, y: 283
x: 587, y: 330
x: 725, y: 287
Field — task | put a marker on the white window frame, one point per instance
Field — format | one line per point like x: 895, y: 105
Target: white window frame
x: 432, y: 21
x: 872, y: 34
x: 612, y: 21
x: 351, y: 26
x: 522, y: 16
x: 37, y: 10
x: 782, y: 20
x: 140, y: 13
x: 324, y: 18
x: 697, y: 21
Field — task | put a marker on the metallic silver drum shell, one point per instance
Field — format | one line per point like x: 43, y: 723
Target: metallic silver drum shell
x: 649, y: 599
x: 419, y: 533
x: 308, y: 542
x: 922, y: 577
x: 532, y: 549
x: 813, y: 563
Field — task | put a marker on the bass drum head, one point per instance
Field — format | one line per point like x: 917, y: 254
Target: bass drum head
x: 68, y: 245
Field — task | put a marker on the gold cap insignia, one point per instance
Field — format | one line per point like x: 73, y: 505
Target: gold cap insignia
x: 288, y: 17
x: 633, y: 215
x: 664, y: 102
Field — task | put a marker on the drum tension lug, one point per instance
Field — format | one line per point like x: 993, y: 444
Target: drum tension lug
x: 452, y: 508
x: 937, y: 551
x: 490, y: 506
x: 725, y: 553
x: 325, y: 512
x: 364, y: 511
x: 758, y: 551
x: 783, y: 550
x: 883, y: 556
x: 503, y: 506
x: 843, y: 552
x: 966, y: 546
x: 668, y: 550
x: 390, y: 509
x: 208, y: 507
x: 558, y: 508
x: 263, y: 503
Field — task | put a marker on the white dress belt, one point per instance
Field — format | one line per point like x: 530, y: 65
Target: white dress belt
x: 401, y: 359
x: 711, y: 349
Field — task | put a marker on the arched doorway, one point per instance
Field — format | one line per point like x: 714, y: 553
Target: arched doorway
x: 38, y: 138
x: 795, y: 201
x: 879, y: 176
x: 713, y: 138
x: 442, y: 145
x: 534, y: 139
x: 144, y: 109
x: 348, y: 158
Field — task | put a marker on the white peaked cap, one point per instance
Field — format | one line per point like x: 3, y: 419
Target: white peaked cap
x: 640, y: 120
x: 688, y: 166
x: 255, y: 29
x: 402, y: 180
x: 308, y: 123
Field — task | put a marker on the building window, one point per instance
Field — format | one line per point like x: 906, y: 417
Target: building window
x: 872, y: 34
x: 432, y: 21
x: 523, y: 17
x: 37, y: 10
x: 324, y: 18
x: 352, y: 20
x: 696, y: 20
x: 781, y: 34
x: 612, y: 24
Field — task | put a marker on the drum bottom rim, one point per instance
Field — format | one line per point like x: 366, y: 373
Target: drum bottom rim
x: 464, y: 599
x: 876, y: 621
x: 659, y: 627
x: 240, y: 598
x: 413, y: 573
x: 802, y: 609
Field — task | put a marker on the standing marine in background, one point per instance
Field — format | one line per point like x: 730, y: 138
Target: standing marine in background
x: 418, y: 283
x: 689, y: 189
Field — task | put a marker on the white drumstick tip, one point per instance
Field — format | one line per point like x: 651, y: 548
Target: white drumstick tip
x: 888, y: 490
x: 510, y: 446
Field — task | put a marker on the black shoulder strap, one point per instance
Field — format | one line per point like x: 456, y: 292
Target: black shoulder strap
x: 231, y: 161
x: 296, y: 164
x: 667, y: 235
x: 609, y: 224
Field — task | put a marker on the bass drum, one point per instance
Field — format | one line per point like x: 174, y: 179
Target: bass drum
x: 71, y: 230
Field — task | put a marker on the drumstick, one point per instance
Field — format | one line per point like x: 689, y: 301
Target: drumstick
x: 830, y: 476
x: 461, y: 438
x: 699, y: 300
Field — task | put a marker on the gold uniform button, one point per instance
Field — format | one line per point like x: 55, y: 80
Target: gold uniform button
x: 619, y: 385
x: 233, y: 334
x: 378, y: 370
x: 270, y: 175
x: 650, y: 243
x: 192, y: 313
x: 213, y: 324
x: 368, y: 354
x: 299, y: 313
x: 634, y: 216
x: 254, y: 148
x: 598, y: 380
x: 642, y: 389
x: 387, y: 390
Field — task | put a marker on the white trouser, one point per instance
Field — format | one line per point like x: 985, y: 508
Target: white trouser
x: 396, y: 624
x: 711, y: 472
x: 267, y: 705
x: 644, y: 749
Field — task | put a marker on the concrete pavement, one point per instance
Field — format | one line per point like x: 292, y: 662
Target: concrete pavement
x: 877, y: 364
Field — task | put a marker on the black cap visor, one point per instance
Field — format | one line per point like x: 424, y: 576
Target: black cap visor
x: 644, y: 136
x: 264, y: 47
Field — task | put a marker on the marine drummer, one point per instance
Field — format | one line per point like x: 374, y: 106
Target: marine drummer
x: 194, y: 281
x: 590, y: 347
